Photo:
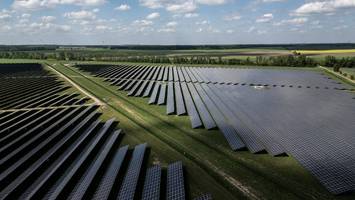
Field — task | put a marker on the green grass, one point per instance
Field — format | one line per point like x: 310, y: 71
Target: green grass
x: 349, y: 71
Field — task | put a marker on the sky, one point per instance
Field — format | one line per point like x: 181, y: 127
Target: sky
x: 176, y: 22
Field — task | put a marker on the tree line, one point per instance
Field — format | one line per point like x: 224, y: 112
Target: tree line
x: 284, y: 60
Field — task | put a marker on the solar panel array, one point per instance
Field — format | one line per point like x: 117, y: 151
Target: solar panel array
x: 305, y: 114
x: 64, y: 151
x: 32, y: 88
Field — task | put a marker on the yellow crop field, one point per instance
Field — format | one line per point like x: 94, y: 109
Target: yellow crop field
x: 332, y: 51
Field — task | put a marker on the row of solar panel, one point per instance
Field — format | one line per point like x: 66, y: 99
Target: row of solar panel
x: 8, y: 71
x: 314, y: 126
x: 30, y: 92
x: 284, y: 78
x: 67, y: 153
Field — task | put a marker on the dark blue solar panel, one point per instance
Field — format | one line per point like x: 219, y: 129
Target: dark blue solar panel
x: 154, y: 96
x: 151, y: 189
x: 175, y: 188
x: 207, y: 120
x: 190, y: 106
x: 106, y: 184
x: 180, y: 105
x: 130, y: 181
x: 162, y: 94
x: 149, y: 89
x: 229, y: 133
x: 170, y: 108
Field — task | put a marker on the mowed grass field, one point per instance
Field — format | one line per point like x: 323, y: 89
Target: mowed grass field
x: 211, y: 165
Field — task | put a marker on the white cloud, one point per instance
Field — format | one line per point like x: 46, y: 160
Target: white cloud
x: 341, y: 27
x: 229, y: 31
x: 48, y: 19
x: 153, y: 4
x: 182, y: 7
x: 5, y: 15
x: 191, y: 15
x: 261, y: 32
x: 26, y: 15
x: 172, y: 24
x: 5, y: 28
x: 167, y: 30
x: 294, y: 21
x: 211, y: 2
x: 251, y: 29
x: 80, y: 15
x: 327, y: 6
x: 142, y: 22
x: 232, y: 17
x: 103, y: 28
x: 153, y: 15
x: 204, y: 22
x: 179, y: 6
x: 62, y: 28
x: 43, y: 4
x: 265, y: 18
x: 272, y: 1
x: 123, y: 7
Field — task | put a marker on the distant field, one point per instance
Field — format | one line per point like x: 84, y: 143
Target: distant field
x: 332, y: 51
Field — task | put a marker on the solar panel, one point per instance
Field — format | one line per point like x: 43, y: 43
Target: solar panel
x: 190, y: 106
x: 149, y: 88
x: 271, y: 144
x: 166, y: 74
x: 207, y: 120
x: 154, y: 96
x: 106, y: 184
x: 176, y: 76
x: 186, y: 75
x: 130, y: 181
x: 151, y: 73
x: 162, y: 94
x: 190, y: 74
x: 170, y: 108
x: 60, y: 189
x: 180, y: 105
x: 180, y: 74
x: 161, y: 73
x: 272, y: 110
x: 229, y: 133
x: 175, y: 188
x: 131, y: 85
x: 141, y: 89
x: 46, y: 180
x: 171, y: 74
x: 227, y: 108
x: 156, y: 73
x: 151, y: 189
x: 82, y: 191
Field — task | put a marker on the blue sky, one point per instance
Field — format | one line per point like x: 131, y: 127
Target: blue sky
x: 176, y: 21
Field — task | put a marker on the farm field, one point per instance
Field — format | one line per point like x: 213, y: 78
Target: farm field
x: 252, y: 170
x: 227, y: 53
